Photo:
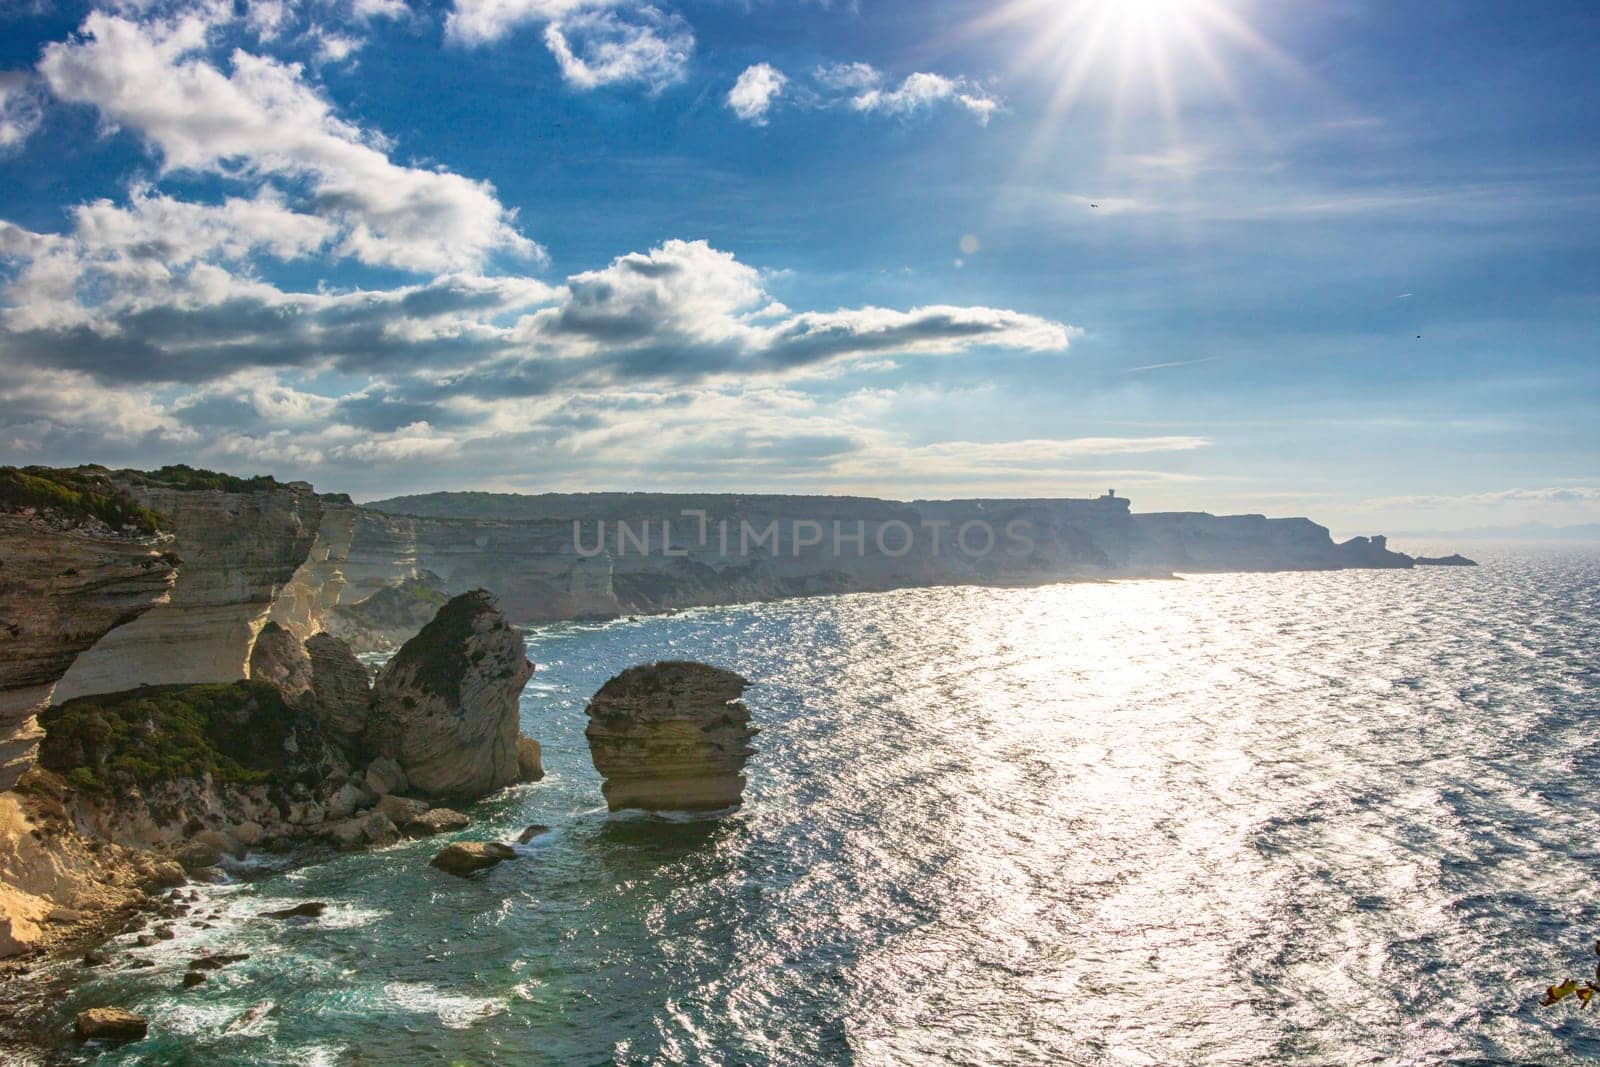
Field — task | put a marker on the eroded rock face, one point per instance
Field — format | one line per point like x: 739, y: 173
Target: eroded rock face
x: 318, y: 584
x: 281, y: 660
x: 445, y: 707
x: 239, y: 549
x: 64, y: 584
x: 340, y: 691
x: 671, y: 736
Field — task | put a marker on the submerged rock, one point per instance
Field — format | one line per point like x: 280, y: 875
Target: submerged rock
x: 467, y: 857
x: 311, y: 909
x: 671, y: 736
x: 445, y: 707
x: 532, y: 832
x: 109, y: 1024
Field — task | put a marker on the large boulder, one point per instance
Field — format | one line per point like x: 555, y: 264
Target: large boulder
x: 445, y: 707
x: 671, y: 736
x: 340, y: 691
x: 109, y: 1024
x: 280, y: 659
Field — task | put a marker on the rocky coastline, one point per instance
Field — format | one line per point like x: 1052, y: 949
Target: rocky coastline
x: 180, y: 682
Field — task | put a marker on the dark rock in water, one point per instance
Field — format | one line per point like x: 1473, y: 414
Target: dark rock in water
x: 340, y: 693
x: 278, y: 658
x: 139, y: 965
x: 146, y: 940
x: 216, y: 963
x: 95, y: 958
x: 532, y: 832
x: 193, y: 978
x: 109, y: 1024
x: 309, y: 910
x: 445, y: 707
x: 467, y: 857
x: 530, y: 762
x: 1456, y: 560
x: 165, y: 932
x: 671, y: 736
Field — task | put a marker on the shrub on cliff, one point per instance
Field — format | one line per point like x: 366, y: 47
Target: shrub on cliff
x: 184, y: 477
x: 237, y: 733
x: 78, y: 494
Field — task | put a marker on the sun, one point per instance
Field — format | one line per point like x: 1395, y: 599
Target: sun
x: 1122, y: 49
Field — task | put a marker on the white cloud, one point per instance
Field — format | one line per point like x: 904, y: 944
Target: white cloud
x: 922, y: 90
x: 262, y: 121
x: 847, y: 77
x: 20, y: 110
x: 595, y: 48
x: 335, y: 47
x: 752, y: 95
x: 595, y: 42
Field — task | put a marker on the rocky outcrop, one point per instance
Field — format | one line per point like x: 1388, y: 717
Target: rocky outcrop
x: 445, y: 708
x: 530, y: 760
x: 340, y: 689
x: 391, y: 616
x: 279, y: 659
x: 241, y: 542
x: 671, y: 736
x: 156, y: 768
x: 1456, y: 560
x: 66, y: 580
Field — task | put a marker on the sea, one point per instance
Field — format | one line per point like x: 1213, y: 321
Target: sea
x: 1304, y: 818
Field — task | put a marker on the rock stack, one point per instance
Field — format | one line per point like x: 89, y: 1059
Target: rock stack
x: 671, y: 736
x: 445, y: 708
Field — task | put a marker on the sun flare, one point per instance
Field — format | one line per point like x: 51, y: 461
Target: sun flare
x: 1131, y: 50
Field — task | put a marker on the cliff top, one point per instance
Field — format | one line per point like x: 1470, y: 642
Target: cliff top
x: 78, y: 495
x: 183, y: 477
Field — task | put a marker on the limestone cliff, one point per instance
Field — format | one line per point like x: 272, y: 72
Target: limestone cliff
x: 1195, y: 541
x: 671, y: 736
x: 318, y: 584
x: 445, y: 708
x: 67, y: 578
x: 241, y: 542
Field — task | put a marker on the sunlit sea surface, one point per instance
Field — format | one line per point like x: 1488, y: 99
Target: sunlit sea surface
x: 1290, y: 818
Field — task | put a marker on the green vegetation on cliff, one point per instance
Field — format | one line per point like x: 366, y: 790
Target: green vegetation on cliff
x: 184, y: 477
x: 78, y: 494
x: 239, y: 733
x: 437, y: 656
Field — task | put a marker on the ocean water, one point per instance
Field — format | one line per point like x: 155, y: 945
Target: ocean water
x: 1236, y: 819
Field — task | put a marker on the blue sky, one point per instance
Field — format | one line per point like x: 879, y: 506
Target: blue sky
x: 1336, y: 259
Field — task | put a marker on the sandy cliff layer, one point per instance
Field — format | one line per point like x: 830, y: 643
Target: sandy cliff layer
x: 63, y: 586
x: 240, y: 549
